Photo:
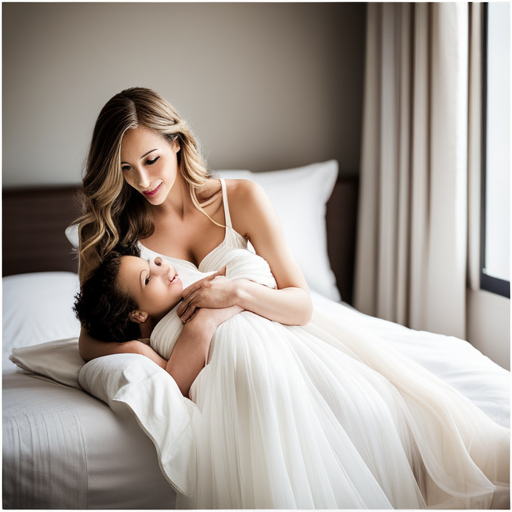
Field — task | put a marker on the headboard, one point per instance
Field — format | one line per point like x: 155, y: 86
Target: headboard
x: 33, y: 225
x: 34, y: 221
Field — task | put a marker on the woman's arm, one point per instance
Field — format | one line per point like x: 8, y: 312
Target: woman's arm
x: 255, y: 218
x: 289, y: 306
x: 91, y: 348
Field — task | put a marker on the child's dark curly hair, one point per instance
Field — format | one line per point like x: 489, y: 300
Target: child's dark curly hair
x: 103, y: 308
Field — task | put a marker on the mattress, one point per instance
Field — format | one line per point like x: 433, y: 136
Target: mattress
x: 62, y: 448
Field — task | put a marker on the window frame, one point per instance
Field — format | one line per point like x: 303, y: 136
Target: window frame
x: 487, y: 282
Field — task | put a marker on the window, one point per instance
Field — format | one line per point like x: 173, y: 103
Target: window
x: 495, y: 233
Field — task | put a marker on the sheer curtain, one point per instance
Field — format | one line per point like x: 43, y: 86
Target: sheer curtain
x: 412, y: 242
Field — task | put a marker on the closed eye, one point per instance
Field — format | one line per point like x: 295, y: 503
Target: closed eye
x: 148, y: 162
x: 151, y: 162
x: 148, y: 276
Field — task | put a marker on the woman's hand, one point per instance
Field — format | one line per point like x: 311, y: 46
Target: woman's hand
x: 212, y: 292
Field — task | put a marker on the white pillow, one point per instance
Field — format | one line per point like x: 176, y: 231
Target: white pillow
x: 37, y: 307
x: 300, y: 196
x: 154, y: 397
x: 72, y: 235
x: 57, y: 360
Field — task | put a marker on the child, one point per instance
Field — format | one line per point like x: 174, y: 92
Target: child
x: 107, y: 307
x: 127, y: 296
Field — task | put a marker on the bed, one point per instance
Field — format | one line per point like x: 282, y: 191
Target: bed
x: 63, y: 447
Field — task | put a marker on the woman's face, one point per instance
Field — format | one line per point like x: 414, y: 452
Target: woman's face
x: 154, y: 285
x: 149, y: 163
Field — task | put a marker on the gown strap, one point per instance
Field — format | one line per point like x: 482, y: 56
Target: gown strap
x: 227, y: 216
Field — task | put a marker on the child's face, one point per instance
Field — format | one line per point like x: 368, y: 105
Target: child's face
x: 154, y: 285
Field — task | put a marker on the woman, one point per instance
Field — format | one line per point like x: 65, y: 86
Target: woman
x: 290, y: 417
x: 146, y: 181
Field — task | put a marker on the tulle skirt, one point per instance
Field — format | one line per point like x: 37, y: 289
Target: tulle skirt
x: 325, y: 416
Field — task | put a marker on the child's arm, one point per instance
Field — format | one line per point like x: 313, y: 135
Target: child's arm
x: 191, y: 350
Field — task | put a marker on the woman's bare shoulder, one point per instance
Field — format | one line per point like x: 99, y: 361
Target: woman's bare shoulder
x: 249, y: 205
x: 240, y: 191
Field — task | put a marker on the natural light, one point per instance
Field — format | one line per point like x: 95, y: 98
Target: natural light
x: 497, y: 225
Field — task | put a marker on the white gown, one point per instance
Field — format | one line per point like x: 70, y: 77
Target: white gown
x: 326, y: 415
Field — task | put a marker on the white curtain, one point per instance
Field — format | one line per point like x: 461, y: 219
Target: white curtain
x: 412, y: 243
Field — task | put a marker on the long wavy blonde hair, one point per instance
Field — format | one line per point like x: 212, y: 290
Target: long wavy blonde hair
x: 113, y: 213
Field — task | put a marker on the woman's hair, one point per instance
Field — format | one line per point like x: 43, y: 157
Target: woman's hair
x: 103, y: 307
x: 113, y: 212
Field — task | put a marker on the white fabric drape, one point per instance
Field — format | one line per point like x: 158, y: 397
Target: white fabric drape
x: 411, y: 262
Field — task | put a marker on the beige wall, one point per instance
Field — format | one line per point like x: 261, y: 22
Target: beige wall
x: 265, y: 86
x: 488, y: 325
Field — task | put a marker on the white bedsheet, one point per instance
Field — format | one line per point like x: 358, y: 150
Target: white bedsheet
x: 64, y: 449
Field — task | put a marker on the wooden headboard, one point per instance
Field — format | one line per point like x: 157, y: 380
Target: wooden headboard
x: 341, y: 220
x: 33, y: 225
x: 34, y: 221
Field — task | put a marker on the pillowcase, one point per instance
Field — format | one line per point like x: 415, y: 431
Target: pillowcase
x: 300, y: 196
x: 37, y: 307
x: 154, y: 397
x: 57, y: 360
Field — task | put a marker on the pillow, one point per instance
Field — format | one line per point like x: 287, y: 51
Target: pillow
x: 37, y: 307
x: 72, y: 235
x: 57, y: 360
x: 299, y: 197
x: 154, y: 397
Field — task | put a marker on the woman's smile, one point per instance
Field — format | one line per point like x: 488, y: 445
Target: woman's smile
x: 153, y: 191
